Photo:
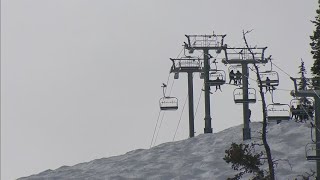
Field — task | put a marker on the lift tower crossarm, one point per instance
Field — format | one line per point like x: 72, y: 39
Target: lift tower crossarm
x: 188, y: 65
x: 198, y: 42
x: 206, y: 43
x: 244, y: 57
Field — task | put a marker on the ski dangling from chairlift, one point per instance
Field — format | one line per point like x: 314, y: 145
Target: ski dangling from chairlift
x: 238, y: 96
x: 167, y: 103
x: 278, y: 112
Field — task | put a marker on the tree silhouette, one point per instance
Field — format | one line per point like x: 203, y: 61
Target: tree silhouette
x: 315, y: 48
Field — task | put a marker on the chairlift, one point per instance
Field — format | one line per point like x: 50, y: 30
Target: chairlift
x: 235, y: 74
x: 269, y: 78
x: 278, y: 112
x: 238, y: 96
x: 311, y: 149
x: 302, y: 107
x: 216, y: 77
x: 301, y: 101
x: 235, y: 68
x: 166, y: 102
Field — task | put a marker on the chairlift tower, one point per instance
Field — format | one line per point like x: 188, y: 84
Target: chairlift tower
x: 205, y: 43
x: 314, y: 92
x: 243, y: 57
x: 187, y: 65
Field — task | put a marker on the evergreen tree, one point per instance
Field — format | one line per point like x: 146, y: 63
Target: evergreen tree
x: 302, y: 71
x: 303, y: 83
x: 315, y: 48
x: 243, y: 158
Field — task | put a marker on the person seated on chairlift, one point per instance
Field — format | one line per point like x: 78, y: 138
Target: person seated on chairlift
x: 232, y: 77
x: 293, y: 112
x: 218, y: 85
x: 238, y: 77
x: 268, y: 85
x: 301, y: 114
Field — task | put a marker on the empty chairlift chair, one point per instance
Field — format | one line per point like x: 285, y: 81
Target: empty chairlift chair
x: 278, y: 112
x: 168, y: 103
x: 238, y: 96
x: 311, y: 149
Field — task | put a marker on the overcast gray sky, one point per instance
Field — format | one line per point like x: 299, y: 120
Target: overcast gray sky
x: 80, y: 79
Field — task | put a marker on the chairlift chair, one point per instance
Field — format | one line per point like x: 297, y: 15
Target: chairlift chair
x: 168, y: 103
x: 294, y: 103
x: 216, y: 77
x: 311, y: 149
x: 278, y: 112
x: 298, y: 108
x: 273, y: 78
x: 238, y: 96
x: 235, y: 69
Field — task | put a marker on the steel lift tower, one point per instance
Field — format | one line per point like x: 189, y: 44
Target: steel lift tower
x: 188, y: 65
x: 243, y: 57
x: 205, y: 43
x: 314, y: 92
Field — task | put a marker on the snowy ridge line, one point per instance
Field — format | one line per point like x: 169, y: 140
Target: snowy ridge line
x: 196, y: 158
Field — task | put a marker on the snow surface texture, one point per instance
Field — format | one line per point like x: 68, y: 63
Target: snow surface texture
x: 196, y: 158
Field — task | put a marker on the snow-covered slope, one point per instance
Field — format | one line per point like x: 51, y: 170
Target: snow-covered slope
x: 195, y: 158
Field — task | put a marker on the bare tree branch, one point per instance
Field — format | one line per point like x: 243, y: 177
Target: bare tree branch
x: 264, y: 113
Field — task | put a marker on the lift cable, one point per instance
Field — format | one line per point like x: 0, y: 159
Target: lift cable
x: 195, y: 114
x: 316, y: 93
x: 227, y: 62
x: 312, y: 125
x: 291, y: 76
x: 154, y: 139
x: 282, y: 70
x: 163, y: 115
x: 185, y: 102
x: 155, y: 128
